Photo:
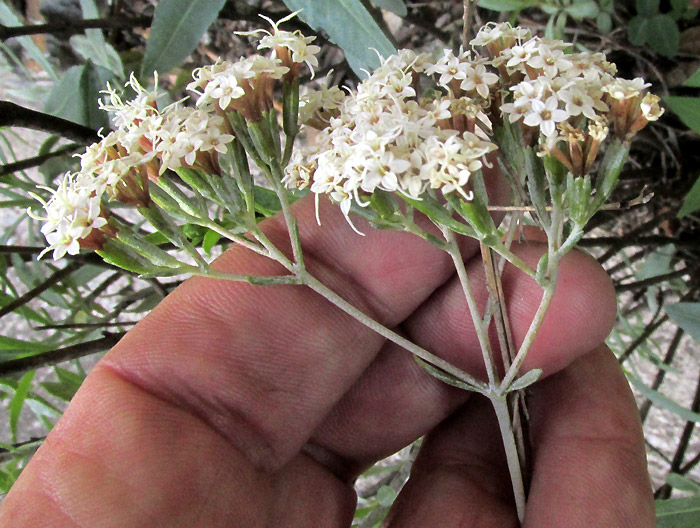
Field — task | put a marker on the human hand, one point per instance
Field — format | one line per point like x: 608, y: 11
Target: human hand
x: 239, y: 405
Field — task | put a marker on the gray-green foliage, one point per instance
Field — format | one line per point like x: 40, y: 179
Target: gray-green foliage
x: 350, y: 26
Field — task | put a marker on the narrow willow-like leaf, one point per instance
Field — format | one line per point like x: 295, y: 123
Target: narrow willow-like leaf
x: 350, y: 26
x: 18, y: 400
x: 687, y: 109
x: 663, y: 401
x: 692, y: 200
x: 10, y: 19
x: 178, y: 26
x: 687, y: 316
x: 397, y: 7
x: 526, y: 380
x: 444, y: 377
x: 678, y: 513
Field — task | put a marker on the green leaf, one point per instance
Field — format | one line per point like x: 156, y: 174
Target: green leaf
x: 211, y: 238
x: 692, y: 200
x: 526, y: 380
x: 386, y: 495
x: 583, y: 9
x: 663, y: 401
x: 443, y: 376
x: 637, y: 30
x: 678, y: 513
x: 648, y: 7
x: 11, y: 348
x: 604, y: 23
x: 694, y: 80
x: 504, y: 5
x: 75, y: 96
x: 434, y: 210
x: 178, y: 26
x: 266, y: 201
x: 350, y: 26
x: 678, y: 8
x: 397, y: 7
x: 687, y: 109
x: 687, y: 316
x: 664, y: 34
x: 683, y: 483
x: 17, y: 401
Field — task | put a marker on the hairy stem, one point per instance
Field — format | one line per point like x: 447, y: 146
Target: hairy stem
x: 500, y: 405
x: 481, y: 332
x: 392, y: 336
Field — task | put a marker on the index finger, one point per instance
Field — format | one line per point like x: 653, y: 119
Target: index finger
x: 263, y: 365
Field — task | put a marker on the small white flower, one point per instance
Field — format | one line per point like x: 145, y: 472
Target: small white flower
x: 545, y: 115
x: 479, y: 79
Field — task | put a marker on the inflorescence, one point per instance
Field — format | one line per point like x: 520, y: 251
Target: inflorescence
x: 416, y: 124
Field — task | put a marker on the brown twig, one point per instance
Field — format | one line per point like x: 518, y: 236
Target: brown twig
x: 651, y: 280
x: 52, y: 279
x: 15, y: 366
x: 12, y: 114
x: 664, y: 492
x: 74, y: 27
x: 28, y: 163
x: 659, y: 379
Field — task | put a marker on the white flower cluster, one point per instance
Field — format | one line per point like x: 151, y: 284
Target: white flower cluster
x: 72, y: 213
x: 383, y: 137
x: 224, y: 82
x: 145, y: 139
x: 551, y: 87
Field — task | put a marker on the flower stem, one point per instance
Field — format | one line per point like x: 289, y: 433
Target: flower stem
x: 537, y: 321
x: 500, y: 405
x: 392, y: 336
x: 481, y: 333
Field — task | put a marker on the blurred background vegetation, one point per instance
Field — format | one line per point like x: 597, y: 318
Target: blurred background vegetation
x: 58, y: 318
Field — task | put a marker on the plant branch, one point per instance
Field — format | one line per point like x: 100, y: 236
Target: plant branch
x: 659, y: 379
x: 12, y: 114
x: 15, y: 366
x: 664, y: 492
x: 481, y: 332
x: 52, y: 279
x: 74, y: 27
x: 392, y: 336
x: 651, y: 280
x: 28, y: 163
x: 20, y: 448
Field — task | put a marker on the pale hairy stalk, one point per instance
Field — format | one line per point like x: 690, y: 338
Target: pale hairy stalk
x: 481, y: 332
x: 392, y: 336
x: 498, y: 398
x: 554, y: 256
x: 303, y: 277
x: 537, y: 321
x: 500, y: 405
x: 288, y: 217
x: 237, y: 239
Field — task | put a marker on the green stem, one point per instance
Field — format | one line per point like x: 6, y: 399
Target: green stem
x: 205, y: 222
x: 259, y: 280
x: 289, y: 219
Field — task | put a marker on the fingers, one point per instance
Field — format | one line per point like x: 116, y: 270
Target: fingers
x: 459, y: 478
x: 589, y: 459
x: 132, y: 460
x: 396, y: 401
x: 589, y: 454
